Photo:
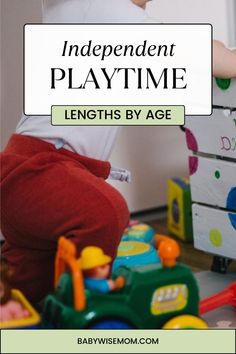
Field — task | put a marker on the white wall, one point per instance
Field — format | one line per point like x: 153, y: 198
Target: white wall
x: 14, y: 14
x: 152, y: 154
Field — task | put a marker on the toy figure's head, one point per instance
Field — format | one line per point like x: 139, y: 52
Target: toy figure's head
x: 94, y: 263
x: 5, y: 276
x: 101, y: 272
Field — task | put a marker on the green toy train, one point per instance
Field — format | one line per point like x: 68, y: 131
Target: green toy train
x: 154, y: 296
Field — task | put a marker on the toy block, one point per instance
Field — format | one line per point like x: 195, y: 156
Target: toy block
x: 179, y: 209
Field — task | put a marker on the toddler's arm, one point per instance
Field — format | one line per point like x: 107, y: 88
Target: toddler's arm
x: 224, y: 61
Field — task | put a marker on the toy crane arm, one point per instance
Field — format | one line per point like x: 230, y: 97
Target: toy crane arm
x: 225, y: 297
x: 66, y: 256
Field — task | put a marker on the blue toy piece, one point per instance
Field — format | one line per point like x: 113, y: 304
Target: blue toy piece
x: 139, y: 232
x: 133, y: 253
x: 111, y: 324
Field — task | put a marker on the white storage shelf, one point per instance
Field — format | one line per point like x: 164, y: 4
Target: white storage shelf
x: 213, y: 173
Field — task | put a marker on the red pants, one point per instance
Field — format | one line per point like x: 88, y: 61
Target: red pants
x: 46, y: 193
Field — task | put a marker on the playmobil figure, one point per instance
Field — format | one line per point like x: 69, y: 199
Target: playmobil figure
x: 96, y: 269
x: 10, y: 309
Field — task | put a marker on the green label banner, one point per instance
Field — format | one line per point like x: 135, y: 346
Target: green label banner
x: 118, y: 115
x: 117, y: 341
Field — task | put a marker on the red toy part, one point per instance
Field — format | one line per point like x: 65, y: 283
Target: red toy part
x: 225, y: 297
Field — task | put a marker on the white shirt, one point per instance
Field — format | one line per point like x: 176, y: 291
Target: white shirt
x: 92, y: 11
x: 95, y: 142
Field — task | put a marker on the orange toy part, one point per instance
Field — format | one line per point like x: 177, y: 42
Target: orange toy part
x: 119, y: 283
x: 168, y: 250
x: 66, y: 256
x: 158, y: 238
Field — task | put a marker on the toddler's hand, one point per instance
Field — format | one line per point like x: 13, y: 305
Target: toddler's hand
x: 224, y: 61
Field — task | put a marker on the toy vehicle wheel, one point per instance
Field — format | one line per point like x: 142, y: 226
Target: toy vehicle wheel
x: 111, y: 324
x: 185, y: 322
